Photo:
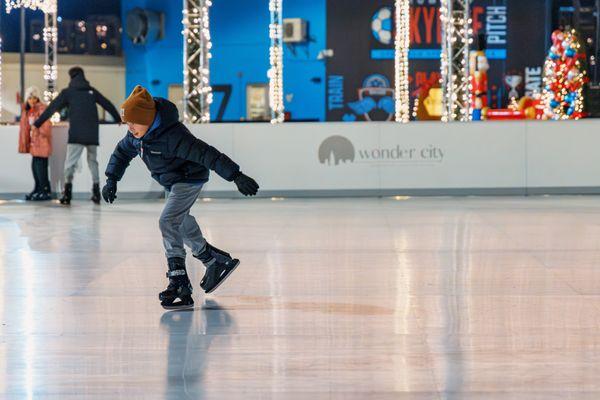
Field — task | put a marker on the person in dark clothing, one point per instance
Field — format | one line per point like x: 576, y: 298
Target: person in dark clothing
x: 81, y: 99
x: 180, y: 163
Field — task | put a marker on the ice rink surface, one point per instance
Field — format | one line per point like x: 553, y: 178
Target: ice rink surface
x: 428, y: 298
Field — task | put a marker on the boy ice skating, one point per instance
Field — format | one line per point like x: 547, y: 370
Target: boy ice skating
x: 180, y: 163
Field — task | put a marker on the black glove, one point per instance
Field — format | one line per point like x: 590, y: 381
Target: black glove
x: 109, y: 191
x: 246, y: 185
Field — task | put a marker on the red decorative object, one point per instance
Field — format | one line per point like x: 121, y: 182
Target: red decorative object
x: 504, y: 114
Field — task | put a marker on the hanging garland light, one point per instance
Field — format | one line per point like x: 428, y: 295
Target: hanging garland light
x: 205, y: 87
x: 197, y: 46
x: 402, y: 44
x: 51, y: 52
x: 456, y: 38
x: 275, y: 73
x: 47, y: 6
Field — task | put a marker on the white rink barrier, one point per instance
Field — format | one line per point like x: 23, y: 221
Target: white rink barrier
x: 316, y: 159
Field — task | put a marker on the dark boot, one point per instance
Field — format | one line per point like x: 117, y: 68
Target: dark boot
x: 43, y: 195
x: 219, y: 265
x: 96, y: 193
x: 44, y: 192
x: 67, y: 194
x: 31, y: 196
x: 36, y: 188
x: 179, y: 287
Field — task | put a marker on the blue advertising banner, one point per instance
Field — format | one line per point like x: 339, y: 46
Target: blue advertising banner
x: 361, y: 33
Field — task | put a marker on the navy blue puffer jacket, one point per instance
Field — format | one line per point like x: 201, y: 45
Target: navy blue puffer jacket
x: 171, y: 152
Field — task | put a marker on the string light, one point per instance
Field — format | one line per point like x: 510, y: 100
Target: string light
x: 402, y: 44
x: 47, y: 6
x: 456, y: 39
x: 197, y: 44
x: 275, y: 73
x: 50, y: 34
x: 415, y: 112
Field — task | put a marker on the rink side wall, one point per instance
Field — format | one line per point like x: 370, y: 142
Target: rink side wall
x: 361, y: 159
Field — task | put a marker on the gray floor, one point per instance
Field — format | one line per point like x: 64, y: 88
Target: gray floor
x: 435, y: 298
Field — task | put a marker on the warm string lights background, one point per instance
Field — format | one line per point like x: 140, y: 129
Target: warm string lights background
x: 564, y: 70
x: 31, y: 4
x: 50, y: 35
x: 198, y: 94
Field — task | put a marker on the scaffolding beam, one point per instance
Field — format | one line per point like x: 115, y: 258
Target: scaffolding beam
x: 197, y: 91
x: 50, y: 50
x: 275, y: 73
x: 401, y: 66
x: 456, y: 39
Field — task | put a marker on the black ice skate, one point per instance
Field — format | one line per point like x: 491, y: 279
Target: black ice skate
x: 96, y: 193
x: 179, y: 287
x: 30, y: 196
x: 44, y: 195
x: 67, y: 194
x: 219, y: 265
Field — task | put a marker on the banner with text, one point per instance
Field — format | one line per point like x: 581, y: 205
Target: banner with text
x: 360, y: 75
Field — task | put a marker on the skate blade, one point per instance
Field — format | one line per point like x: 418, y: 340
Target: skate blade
x: 181, y: 305
x: 225, y: 277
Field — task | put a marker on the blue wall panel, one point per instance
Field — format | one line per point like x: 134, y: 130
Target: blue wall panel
x: 239, y: 30
x: 157, y: 64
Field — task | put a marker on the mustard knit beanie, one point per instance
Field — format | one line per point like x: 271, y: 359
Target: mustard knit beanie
x: 139, y: 108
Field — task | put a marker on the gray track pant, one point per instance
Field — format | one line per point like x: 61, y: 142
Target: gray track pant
x: 74, y: 152
x: 177, y: 225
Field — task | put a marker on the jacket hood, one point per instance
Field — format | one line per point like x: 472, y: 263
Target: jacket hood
x: 168, y: 115
x: 79, y: 82
x: 167, y: 110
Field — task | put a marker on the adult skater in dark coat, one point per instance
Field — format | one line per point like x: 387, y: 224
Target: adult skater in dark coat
x: 81, y: 99
x: 180, y: 163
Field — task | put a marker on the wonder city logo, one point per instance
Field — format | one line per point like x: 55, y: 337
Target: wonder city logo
x: 336, y: 150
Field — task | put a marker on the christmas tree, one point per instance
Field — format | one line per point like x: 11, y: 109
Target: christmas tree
x: 564, y: 77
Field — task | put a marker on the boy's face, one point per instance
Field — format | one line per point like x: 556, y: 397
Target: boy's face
x: 137, y: 130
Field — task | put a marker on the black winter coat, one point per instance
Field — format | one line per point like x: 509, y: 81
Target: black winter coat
x: 171, y: 152
x: 81, y: 99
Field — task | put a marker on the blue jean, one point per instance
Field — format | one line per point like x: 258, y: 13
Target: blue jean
x: 176, y: 224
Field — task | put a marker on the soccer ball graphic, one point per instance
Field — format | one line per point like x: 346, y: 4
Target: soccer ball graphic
x: 381, y: 25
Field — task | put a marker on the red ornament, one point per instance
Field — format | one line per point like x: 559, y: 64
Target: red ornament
x: 504, y: 114
x: 557, y: 36
x: 577, y: 115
